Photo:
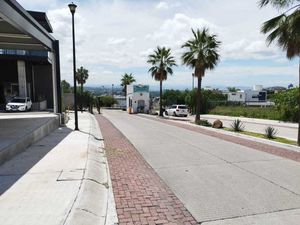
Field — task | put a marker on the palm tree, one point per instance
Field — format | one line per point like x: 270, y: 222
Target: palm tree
x: 285, y: 31
x: 162, y: 63
x: 126, y: 79
x: 82, y: 75
x: 201, y: 54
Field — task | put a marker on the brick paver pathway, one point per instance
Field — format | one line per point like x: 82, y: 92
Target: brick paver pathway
x: 141, y: 196
x: 282, y: 152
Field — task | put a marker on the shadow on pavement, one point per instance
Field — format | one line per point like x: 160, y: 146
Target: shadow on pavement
x: 12, y: 170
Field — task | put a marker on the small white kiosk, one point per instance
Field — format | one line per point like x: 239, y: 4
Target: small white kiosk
x: 138, y: 99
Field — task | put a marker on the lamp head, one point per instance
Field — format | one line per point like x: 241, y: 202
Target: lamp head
x: 72, y: 7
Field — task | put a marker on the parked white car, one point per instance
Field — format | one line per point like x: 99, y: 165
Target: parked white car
x: 19, y: 104
x: 177, y: 110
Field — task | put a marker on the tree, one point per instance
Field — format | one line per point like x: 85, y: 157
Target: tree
x: 285, y: 31
x: 201, y: 54
x: 126, y: 79
x: 286, y: 104
x: 171, y: 97
x: 162, y: 63
x: 65, y: 86
x: 232, y: 89
x: 82, y: 75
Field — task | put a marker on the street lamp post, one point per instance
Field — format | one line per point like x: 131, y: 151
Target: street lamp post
x: 72, y: 7
x: 193, y: 78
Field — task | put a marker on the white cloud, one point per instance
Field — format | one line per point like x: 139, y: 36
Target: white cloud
x: 119, y: 35
x: 162, y: 6
x: 245, y: 49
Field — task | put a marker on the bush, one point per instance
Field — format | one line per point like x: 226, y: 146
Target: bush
x: 203, y: 123
x: 287, y: 104
x: 270, y: 132
x: 237, y: 125
x: 271, y: 113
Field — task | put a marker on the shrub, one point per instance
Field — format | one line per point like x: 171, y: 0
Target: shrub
x: 247, y: 111
x: 287, y: 104
x: 270, y: 132
x: 237, y: 125
x: 203, y: 123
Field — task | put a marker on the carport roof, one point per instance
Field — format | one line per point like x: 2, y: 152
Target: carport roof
x: 19, y: 29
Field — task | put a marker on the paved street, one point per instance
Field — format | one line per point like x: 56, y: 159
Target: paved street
x: 218, y: 181
x: 141, y: 196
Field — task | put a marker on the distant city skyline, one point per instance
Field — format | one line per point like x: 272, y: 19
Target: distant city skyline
x: 114, y: 37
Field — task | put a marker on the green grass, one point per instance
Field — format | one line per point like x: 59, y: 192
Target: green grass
x: 251, y: 112
x: 258, y: 135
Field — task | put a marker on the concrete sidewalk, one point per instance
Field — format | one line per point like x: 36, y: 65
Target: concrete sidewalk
x: 62, y: 179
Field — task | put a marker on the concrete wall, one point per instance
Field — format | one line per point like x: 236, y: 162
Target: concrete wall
x: 238, y: 96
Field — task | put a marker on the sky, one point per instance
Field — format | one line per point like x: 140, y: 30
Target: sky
x: 116, y: 36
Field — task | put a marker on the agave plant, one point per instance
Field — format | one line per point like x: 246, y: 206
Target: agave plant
x: 237, y: 125
x: 270, y: 132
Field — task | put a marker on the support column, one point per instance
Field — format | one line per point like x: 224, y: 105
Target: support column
x: 22, y: 78
x: 58, y: 80
x: 54, y: 82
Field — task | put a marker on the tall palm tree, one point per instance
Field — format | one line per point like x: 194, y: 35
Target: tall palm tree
x: 201, y: 54
x: 162, y: 62
x: 82, y: 75
x: 126, y: 79
x: 285, y: 31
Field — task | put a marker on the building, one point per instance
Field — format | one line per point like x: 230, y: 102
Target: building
x: 121, y: 101
x: 239, y: 96
x: 29, y: 57
x: 138, y: 98
x: 256, y: 96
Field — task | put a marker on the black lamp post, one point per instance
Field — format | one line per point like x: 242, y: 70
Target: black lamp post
x: 72, y: 7
x: 193, y: 78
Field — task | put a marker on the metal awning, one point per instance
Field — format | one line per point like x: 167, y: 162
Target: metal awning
x: 19, y: 30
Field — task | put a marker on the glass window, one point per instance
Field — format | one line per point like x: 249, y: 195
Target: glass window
x: 18, y: 100
x: 182, y: 107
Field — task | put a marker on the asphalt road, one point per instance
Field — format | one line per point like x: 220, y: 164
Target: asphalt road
x: 219, y: 182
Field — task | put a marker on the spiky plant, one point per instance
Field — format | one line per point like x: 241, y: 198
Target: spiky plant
x: 237, y: 125
x: 270, y: 132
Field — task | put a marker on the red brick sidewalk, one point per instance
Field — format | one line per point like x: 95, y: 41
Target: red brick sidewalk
x: 141, y: 196
x: 282, y: 152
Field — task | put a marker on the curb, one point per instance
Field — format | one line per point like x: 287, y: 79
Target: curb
x: 28, y: 139
x: 92, y: 202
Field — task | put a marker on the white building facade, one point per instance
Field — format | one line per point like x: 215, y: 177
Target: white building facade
x: 138, y: 99
x: 256, y: 95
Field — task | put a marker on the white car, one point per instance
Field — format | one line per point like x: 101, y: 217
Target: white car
x: 19, y: 104
x: 177, y: 110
